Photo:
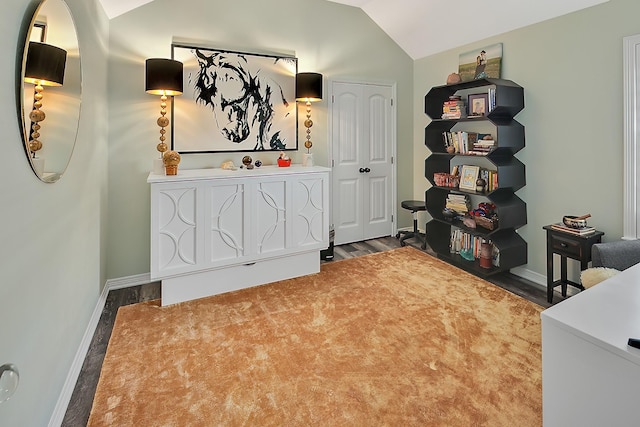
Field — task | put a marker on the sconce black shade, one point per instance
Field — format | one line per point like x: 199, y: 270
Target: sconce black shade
x: 163, y: 76
x: 309, y: 87
x: 45, y: 64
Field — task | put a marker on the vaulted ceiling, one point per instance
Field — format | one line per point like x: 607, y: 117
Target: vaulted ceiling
x: 424, y: 27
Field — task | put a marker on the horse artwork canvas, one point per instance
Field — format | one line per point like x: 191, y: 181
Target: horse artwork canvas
x: 234, y: 101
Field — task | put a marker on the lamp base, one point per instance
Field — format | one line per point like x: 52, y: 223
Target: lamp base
x: 158, y: 167
x: 307, y: 159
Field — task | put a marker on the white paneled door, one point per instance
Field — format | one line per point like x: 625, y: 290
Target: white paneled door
x: 363, y: 150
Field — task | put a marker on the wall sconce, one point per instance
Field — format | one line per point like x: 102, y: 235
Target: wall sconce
x: 308, y: 90
x: 44, y: 67
x: 164, y: 78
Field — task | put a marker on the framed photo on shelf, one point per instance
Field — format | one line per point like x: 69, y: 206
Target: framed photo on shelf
x: 478, y: 104
x: 468, y: 177
x: 481, y: 63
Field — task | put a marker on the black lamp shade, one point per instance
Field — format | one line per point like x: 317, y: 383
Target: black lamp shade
x: 309, y: 87
x: 45, y: 64
x: 163, y: 77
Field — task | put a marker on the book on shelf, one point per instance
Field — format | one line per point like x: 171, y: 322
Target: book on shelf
x: 462, y: 241
x: 490, y: 179
x: 492, y: 98
x: 585, y: 231
x: 461, y: 141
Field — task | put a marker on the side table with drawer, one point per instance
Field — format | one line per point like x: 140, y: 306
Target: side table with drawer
x: 567, y: 245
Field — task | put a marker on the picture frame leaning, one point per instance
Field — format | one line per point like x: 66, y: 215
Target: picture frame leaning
x: 478, y: 105
x: 234, y: 101
x: 468, y: 177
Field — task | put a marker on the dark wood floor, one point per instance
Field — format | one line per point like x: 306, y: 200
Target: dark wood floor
x: 82, y: 398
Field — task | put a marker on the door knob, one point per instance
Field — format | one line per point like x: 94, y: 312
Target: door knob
x: 362, y: 170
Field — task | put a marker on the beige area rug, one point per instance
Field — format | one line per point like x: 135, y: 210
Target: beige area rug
x: 396, y: 338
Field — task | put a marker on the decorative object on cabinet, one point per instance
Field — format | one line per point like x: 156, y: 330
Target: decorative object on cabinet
x: 284, y: 160
x: 246, y: 161
x: 163, y: 77
x: 228, y: 165
x: 258, y: 163
x: 308, y: 90
x: 481, y: 63
x: 446, y: 205
x: 171, y: 160
x: 255, y: 90
x: 47, y: 34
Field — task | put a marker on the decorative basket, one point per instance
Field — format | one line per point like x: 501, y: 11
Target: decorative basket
x: 284, y: 163
x: 488, y: 223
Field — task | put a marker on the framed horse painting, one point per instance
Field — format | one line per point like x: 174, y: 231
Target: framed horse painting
x: 234, y: 101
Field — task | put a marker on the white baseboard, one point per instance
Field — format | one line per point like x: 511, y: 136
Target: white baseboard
x: 525, y: 273
x: 538, y: 279
x: 74, y: 371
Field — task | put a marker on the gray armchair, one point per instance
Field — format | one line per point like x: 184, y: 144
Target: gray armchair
x: 619, y: 255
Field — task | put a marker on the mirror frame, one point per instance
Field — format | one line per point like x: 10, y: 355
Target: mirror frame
x: 30, y: 20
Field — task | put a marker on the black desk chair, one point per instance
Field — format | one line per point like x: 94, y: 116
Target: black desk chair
x: 414, y: 206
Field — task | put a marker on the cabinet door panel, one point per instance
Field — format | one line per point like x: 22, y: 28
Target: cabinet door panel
x: 227, y: 234
x: 270, y: 224
x: 175, y: 230
x: 309, y: 211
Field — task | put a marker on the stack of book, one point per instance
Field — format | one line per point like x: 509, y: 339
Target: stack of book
x: 585, y: 231
x: 453, y: 108
x: 483, y: 146
x: 458, y: 202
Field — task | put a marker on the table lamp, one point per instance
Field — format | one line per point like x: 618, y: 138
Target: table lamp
x: 44, y: 67
x: 308, y: 90
x: 164, y: 78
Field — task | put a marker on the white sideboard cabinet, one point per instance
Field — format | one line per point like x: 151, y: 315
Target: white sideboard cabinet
x: 215, y: 230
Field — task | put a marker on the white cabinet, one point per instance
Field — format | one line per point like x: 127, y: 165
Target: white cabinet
x: 214, y: 230
x: 590, y: 377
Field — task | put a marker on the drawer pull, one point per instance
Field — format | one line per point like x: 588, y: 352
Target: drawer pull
x: 564, y: 245
x: 249, y: 264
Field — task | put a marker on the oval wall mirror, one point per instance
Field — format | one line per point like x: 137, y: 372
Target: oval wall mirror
x: 50, y: 87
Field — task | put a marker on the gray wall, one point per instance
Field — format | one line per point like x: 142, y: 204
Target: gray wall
x: 53, y: 256
x: 571, y: 70
x: 335, y: 40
